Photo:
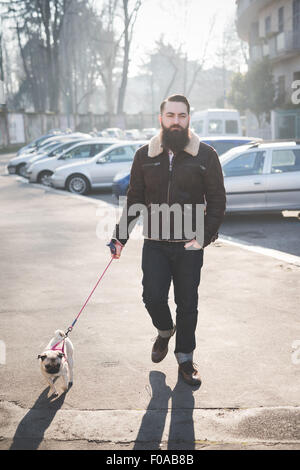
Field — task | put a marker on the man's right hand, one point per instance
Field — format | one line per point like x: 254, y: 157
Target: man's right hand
x: 115, y: 248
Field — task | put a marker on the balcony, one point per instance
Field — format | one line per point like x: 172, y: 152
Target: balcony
x: 247, y: 13
x: 284, y: 45
x: 281, y: 46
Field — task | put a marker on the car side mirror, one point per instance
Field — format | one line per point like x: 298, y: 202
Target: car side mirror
x: 64, y: 157
x: 101, y: 160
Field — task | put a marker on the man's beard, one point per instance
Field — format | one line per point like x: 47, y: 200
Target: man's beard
x: 175, y: 138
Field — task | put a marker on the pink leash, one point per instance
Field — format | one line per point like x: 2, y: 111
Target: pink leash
x: 90, y: 295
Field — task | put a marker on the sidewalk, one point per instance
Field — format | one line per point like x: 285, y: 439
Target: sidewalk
x: 248, y: 320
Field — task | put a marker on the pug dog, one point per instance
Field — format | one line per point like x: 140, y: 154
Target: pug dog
x: 58, y: 361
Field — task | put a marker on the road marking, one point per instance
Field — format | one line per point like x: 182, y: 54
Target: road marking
x: 280, y: 255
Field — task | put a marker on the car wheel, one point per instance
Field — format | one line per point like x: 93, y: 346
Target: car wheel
x: 78, y: 184
x: 21, y: 170
x: 44, y: 177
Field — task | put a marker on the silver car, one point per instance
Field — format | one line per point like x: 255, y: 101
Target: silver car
x: 262, y: 177
x: 41, y: 170
x: 17, y: 165
x: 97, y: 172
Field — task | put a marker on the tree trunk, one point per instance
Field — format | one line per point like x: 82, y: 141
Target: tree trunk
x: 123, y: 86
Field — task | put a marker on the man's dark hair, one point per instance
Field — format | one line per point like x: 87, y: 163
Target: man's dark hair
x: 180, y: 98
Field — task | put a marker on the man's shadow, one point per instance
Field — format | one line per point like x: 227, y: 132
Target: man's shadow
x: 31, y: 429
x: 181, y: 432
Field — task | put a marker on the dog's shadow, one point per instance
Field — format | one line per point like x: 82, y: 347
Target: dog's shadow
x: 31, y: 429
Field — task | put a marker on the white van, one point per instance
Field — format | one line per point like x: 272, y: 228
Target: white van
x: 212, y: 122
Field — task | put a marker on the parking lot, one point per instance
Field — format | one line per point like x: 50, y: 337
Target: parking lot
x: 51, y: 258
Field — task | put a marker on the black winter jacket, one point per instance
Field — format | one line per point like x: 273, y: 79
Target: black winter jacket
x: 195, y: 177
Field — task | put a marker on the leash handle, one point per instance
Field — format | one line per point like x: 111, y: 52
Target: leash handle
x: 88, y: 298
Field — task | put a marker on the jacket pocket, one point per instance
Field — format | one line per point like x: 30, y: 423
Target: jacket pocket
x: 152, y: 174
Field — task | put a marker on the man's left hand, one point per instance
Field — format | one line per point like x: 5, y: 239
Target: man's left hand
x: 193, y: 245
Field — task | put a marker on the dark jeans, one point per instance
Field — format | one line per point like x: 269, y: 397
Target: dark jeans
x: 162, y: 262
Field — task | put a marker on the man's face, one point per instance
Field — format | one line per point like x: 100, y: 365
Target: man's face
x: 175, y: 116
x: 175, y: 122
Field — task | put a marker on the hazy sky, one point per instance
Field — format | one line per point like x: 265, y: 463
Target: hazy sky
x: 184, y: 22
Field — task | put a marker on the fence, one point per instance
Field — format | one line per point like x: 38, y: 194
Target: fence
x: 23, y: 127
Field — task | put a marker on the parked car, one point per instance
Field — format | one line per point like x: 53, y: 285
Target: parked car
x: 150, y: 132
x: 220, y: 144
x: 115, y: 132
x: 133, y: 134
x: 40, y: 171
x: 17, y: 165
x: 258, y: 177
x: 262, y: 177
x: 56, y: 151
x: 103, y: 134
x: 97, y: 172
x: 35, y: 143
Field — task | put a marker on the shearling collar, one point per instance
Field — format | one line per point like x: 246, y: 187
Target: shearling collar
x: 156, y: 148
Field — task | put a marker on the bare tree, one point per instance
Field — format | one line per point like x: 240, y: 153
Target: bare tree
x: 130, y: 13
x: 39, y: 24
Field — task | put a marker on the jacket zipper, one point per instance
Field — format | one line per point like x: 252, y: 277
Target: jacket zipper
x: 170, y: 176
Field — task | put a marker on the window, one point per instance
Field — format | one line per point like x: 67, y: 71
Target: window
x: 296, y: 76
x: 231, y: 127
x: 251, y: 163
x: 287, y: 126
x: 281, y: 89
x: 268, y: 25
x: 121, y: 154
x: 215, y: 126
x: 81, y: 152
x: 281, y: 19
x: 285, y: 160
x: 97, y: 148
x: 296, y: 15
x: 222, y: 146
x: 254, y: 34
x: 61, y: 148
x: 198, y: 127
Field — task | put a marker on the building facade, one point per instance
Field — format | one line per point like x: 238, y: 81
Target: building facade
x: 272, y: 29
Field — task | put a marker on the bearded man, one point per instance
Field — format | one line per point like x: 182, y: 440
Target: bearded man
x: 175, y: 168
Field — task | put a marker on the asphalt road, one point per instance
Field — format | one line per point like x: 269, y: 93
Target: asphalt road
x: 248, y: 337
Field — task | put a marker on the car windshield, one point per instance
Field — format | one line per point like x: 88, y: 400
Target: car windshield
x: 232, y: 152
x: 50, y: 146
x: 61, y: 147
x: 222, y: 146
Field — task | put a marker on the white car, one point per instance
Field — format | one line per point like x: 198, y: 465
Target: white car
x: 97, y: 172
x: 262, y: 177
x: 40, y: 171
x: 17, y: 165
x: 115, y: 132
x: 133, y: 134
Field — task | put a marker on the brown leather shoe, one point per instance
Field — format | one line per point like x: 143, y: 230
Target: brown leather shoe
x: 160, y: 347
x: 189, y: 374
